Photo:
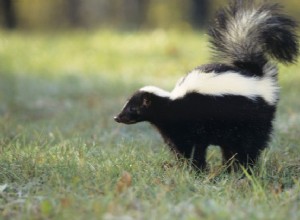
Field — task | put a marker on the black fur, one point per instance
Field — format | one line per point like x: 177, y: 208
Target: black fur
x: 240, y: 125
x: 210, y: 121
x: 190, y: 124
x: 223, y: 68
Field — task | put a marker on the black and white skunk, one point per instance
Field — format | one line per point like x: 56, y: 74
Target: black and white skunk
x: 231, y: 103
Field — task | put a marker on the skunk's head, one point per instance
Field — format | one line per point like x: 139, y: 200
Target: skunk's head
x: 143, y: 105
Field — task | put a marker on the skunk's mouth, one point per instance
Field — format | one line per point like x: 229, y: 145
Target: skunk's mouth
x: 124, y: 120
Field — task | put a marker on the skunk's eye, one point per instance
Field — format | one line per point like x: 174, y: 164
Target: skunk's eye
x: 146, y: 102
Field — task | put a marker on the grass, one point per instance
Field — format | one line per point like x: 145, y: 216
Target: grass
x: 63, y: 157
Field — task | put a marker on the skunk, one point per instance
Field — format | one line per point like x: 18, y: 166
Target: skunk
x: 230, y: 103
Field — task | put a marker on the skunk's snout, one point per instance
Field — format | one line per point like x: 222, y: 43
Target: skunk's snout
x: 122, y: 118
x: 117, y: 119
x: 125, y: 119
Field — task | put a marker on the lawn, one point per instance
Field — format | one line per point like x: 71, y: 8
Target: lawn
x: 63, y: 157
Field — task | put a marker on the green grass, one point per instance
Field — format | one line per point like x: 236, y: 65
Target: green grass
x: 63, y: 157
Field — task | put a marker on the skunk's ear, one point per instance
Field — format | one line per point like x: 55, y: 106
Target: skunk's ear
x: 146, y: 102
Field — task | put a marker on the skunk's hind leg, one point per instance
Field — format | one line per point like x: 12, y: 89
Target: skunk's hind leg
x: 235, y: 157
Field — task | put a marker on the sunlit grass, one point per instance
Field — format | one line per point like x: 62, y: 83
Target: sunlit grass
x: 63, y: 157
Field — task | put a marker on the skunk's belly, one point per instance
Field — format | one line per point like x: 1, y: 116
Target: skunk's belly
x: 215, y: 132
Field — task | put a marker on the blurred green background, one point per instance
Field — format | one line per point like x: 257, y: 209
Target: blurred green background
x: 67, y: 67
x: 120, y: 14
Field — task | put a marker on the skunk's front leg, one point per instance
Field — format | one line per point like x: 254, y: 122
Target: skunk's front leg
x: 196, y: 154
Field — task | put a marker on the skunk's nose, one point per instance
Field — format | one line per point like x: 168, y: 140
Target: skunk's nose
x: 117, y: 119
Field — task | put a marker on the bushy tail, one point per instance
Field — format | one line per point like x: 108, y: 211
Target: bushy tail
x: 247, y: 34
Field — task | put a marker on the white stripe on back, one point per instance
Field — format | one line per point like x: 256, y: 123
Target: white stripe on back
x: 229, y: 83
x: 155, y: 90
x: 220, y: 84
